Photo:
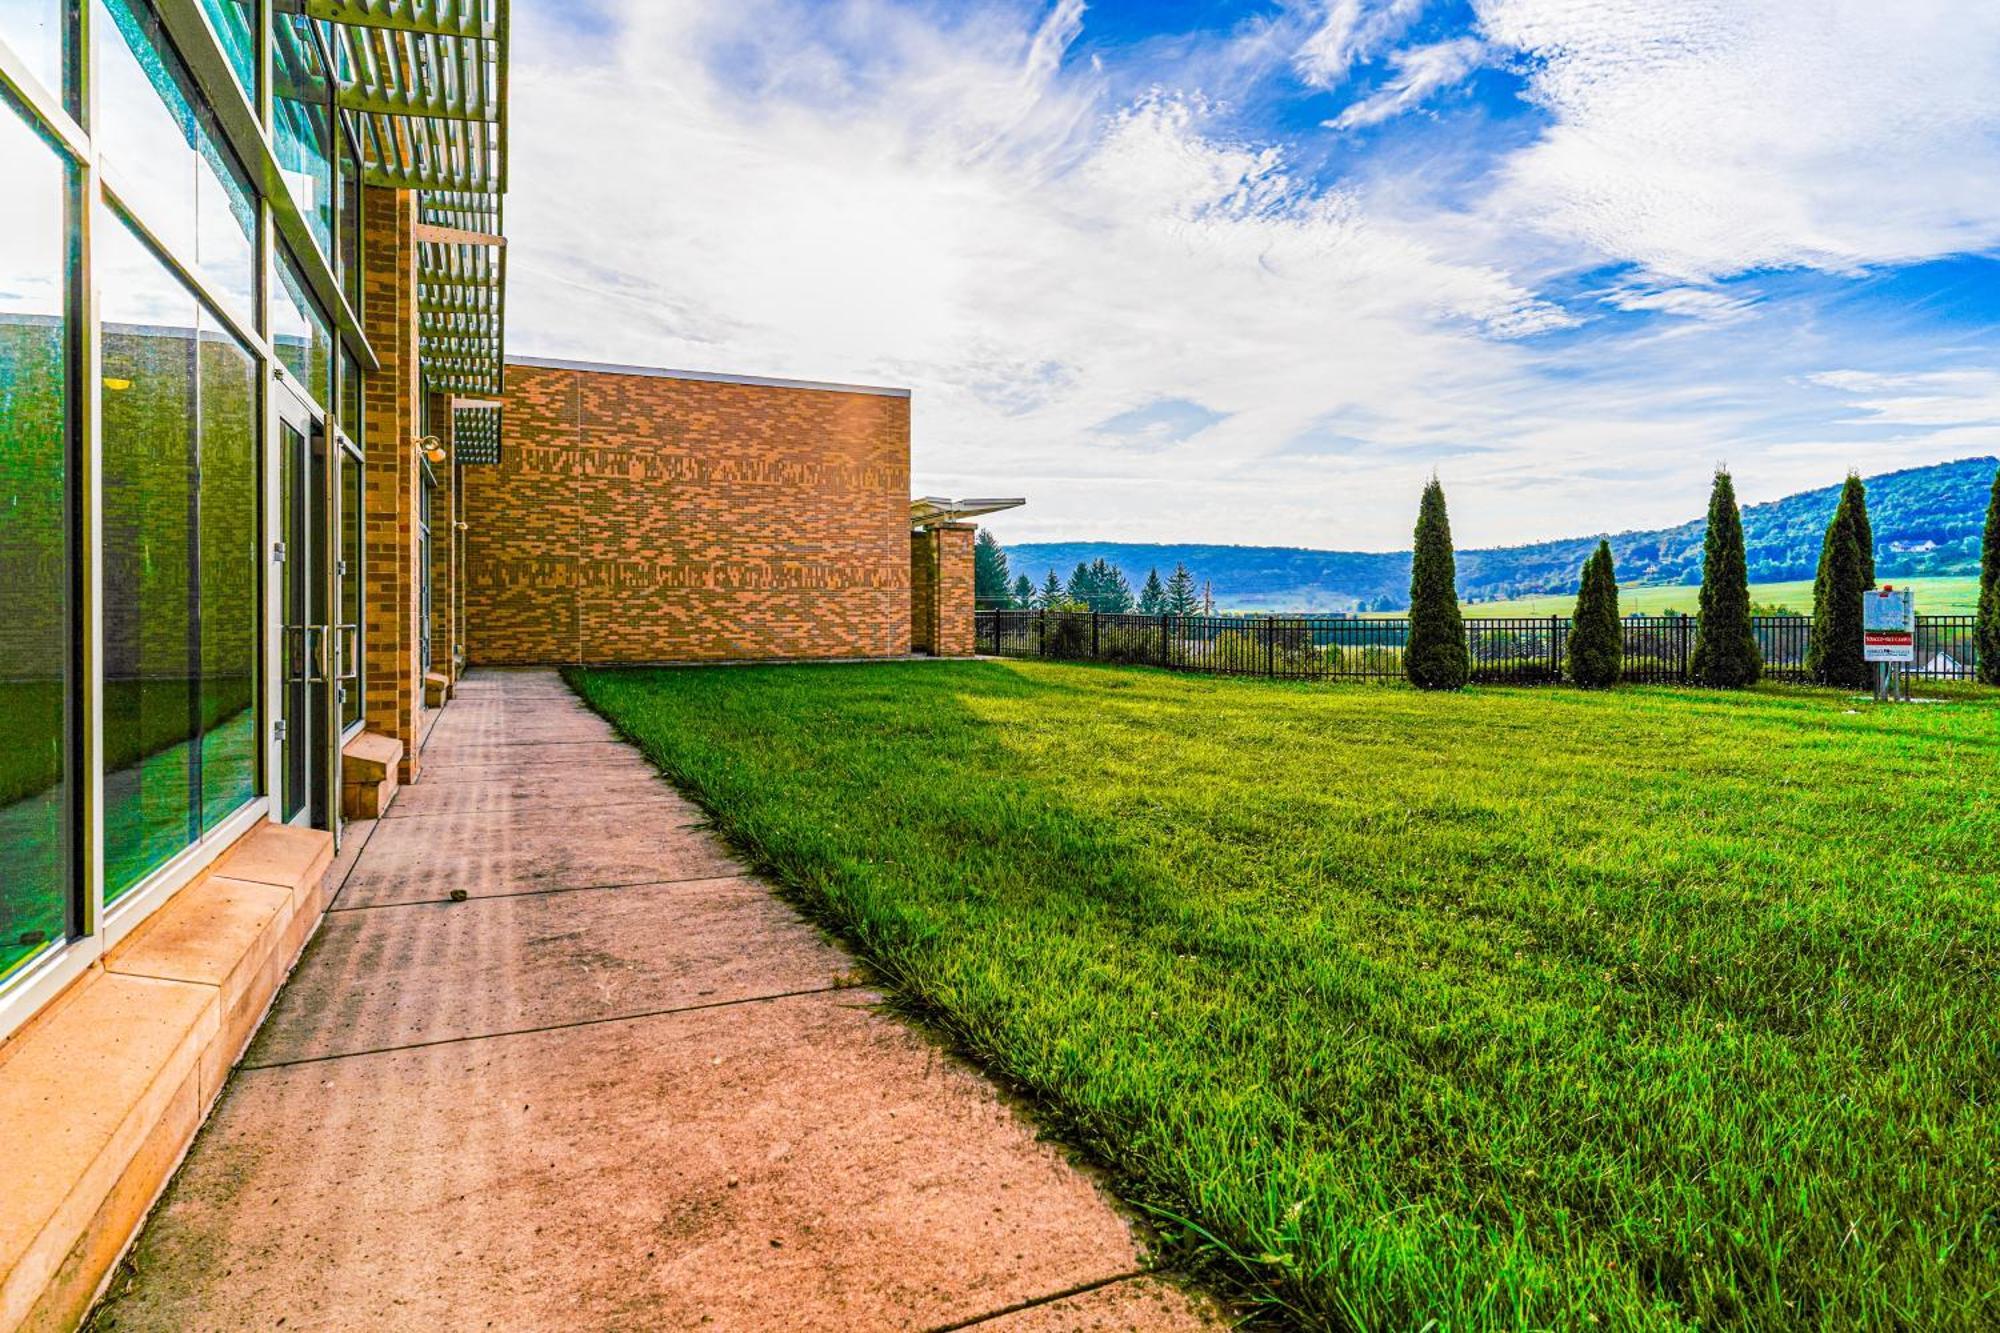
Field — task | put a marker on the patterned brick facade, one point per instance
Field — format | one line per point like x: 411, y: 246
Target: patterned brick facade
x: 640, y: 516
x: 941, y: 587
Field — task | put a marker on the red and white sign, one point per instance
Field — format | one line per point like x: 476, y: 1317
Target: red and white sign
x: 1889, y: 625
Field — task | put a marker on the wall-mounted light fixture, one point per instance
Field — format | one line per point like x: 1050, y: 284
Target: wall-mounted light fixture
x: 430, y: 447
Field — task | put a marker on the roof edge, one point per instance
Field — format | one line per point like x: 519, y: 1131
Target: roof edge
x: 707, y: 376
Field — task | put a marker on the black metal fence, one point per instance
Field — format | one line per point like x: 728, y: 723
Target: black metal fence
x: 1520, y: 651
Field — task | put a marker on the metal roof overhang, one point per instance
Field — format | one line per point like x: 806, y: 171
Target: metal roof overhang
x: 928, y: 509
x: 423, y: 83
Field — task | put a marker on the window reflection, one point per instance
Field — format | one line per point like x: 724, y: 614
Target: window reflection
x: 34, y: 550
x: 235, y: 24
x: 164, y: 157
x: 180, y: 578
x: 36, y: 29
x: 302, y: 336
x: 302, y: 107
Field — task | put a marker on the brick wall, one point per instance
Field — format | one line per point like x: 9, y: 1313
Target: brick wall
x: 642, y: 518
x: 392, y: 414
x: 941, y: 587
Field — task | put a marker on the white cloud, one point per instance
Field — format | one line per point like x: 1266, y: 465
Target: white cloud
x: 1702, y: 138
x: 969, y: 220
x: 1944, y: 398
x: 1420, y: 71
x: 1350, y: 31
x: 1158, y: 329
x: 1704, y: 304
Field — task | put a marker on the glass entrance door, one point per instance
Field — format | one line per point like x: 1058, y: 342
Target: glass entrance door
x: 305, y: 505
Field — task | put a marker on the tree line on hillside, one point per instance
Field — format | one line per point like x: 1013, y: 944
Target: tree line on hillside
x: 1927, y: 522
x: 1726, y: 651
x: 1097, y: 585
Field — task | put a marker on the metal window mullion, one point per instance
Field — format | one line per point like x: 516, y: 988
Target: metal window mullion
x: 190, y: 276
x: 87, y: 805
x: 41, y: 104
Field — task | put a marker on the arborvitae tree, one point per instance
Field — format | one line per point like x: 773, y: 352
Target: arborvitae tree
x: 1181, y: 598
x: 1864, y: 533
x: 1986, y: 639
x: 1436, y: 658
x: 1596, y: 642
x: 1833, y: 652
x: 1837, y: 625
x: 1153, y: 597
x: 1726, y: 655
x: 1051, y: 594
x: 989, y: 571
x: 1024, y: 592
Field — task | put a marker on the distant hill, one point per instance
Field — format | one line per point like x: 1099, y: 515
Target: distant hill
x: 1927, y: 521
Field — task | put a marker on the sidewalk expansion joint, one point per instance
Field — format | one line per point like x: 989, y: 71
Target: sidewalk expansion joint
x: 534, y: 818
x: 248, y: 1068
x: 537, y: 893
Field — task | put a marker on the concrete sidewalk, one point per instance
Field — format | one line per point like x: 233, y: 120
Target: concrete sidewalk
x: 620, y: 1085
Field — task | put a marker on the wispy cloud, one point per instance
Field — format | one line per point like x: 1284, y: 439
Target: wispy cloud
x: 1161, y: 321
x: 1420, y: 71
x: 1349, y: 31
x: 1705, y: 138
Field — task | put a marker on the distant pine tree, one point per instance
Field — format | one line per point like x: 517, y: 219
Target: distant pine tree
x: 1833, y: 652
x: 1596, y: 642
x: 1024, y: 592
x: 1152, y: 597
x: 1082, y: 588
x: 989, y: 571
x: 1987, y: 637
x: 1051, y: 594
x: 1181, y: 598
x: 1726, y: 655
x: 1114, y: 592
x: 1436, y: 658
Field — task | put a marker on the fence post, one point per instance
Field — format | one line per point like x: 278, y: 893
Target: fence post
x: 1041, y: 633
x: 1270, y: 648
x: 1555, y: 656
x: 1093, y: 635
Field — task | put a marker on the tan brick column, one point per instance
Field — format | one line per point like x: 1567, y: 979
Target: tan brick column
x: 941, y: 587
x: 952, y: 631
x: 389, y: 532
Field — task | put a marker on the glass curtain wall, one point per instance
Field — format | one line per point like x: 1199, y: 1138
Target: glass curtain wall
x: 35, y: 537
x: 193, y: 303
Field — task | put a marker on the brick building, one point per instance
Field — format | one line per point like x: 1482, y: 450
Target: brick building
x: 268, y: 484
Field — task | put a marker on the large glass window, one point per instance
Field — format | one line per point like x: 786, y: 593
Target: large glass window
x: 179, y: 411
x: 235, y: 24
x: 302, y: 336
x: 36, y: 29
x: 350, y: 226
x: 34, y: 548
x: 303, y: 109
x: 350, y: 628
x: 163, y: 156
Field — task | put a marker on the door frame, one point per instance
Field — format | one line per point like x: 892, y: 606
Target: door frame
x: 290, y: 408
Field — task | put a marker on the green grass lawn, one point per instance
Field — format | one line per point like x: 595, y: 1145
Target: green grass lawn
x: 1935, y: 597
x: 1525, y: 1008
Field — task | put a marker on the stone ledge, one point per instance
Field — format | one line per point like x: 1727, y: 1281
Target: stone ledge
x: 101, y: 1095
x: 369, y: 767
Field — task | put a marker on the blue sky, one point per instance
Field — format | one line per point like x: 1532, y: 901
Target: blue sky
x: 1189, y: 270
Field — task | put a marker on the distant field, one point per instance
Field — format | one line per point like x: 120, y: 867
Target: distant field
x: 1643, y: 1009
x: 1935, y: 597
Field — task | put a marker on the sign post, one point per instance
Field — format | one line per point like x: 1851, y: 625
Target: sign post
x: 1889, y: 638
